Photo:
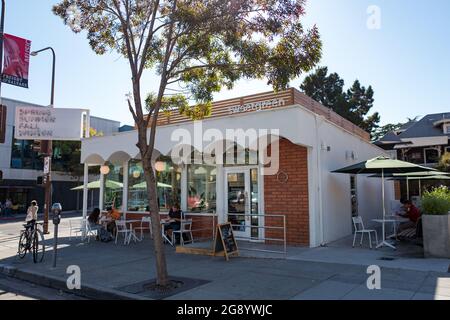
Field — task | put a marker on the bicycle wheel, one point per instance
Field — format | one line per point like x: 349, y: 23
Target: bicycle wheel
x: 38, y: 246
x: 22, y: 250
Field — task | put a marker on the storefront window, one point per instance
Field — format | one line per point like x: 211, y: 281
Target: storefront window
x: 168, y: 177
x: 113, y: 187
x: 201, y: 188
x: 432, y: 155
x: 354, y: 196
x: 24, y: 157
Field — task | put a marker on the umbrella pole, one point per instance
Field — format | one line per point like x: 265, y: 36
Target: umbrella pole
x: 420, y: 188
x: 384, y: 207
x: 384, y: 242
x: 407, y: 187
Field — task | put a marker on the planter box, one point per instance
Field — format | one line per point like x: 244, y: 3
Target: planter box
x: 436, y: 236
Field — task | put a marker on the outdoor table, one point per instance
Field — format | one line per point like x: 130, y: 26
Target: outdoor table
x: 164, y: 223
x: 132, y: 233
x: 390, y: 219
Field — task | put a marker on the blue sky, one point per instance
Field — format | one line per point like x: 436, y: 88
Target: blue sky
x: 407, y: 61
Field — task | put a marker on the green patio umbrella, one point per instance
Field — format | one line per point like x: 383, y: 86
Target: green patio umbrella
x: 426, y: 177
x: 383, y: 165
x: 421, y: 175
x: 143, y: 185
x: 110, y: 184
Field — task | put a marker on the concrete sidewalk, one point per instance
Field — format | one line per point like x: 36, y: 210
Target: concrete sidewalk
x: 107, y: 268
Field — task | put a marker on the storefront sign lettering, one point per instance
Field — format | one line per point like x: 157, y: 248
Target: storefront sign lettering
x: 41, y: 123
x: 257, y: 106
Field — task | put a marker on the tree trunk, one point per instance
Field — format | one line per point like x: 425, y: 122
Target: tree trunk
x: 161, y: 266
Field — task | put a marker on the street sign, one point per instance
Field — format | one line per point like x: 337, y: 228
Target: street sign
x: 40, y: 123
x: 46, y: 165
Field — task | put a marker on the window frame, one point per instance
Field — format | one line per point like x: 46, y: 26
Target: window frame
x: 425, y: 154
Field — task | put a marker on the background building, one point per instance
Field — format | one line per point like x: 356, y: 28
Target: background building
x: 421, y: 142
x: 21, y: 165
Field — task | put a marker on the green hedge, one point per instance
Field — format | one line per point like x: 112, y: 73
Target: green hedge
x: 436, y: 201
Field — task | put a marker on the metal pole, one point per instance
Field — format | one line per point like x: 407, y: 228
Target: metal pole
x: 85, y: 192
x: 49, y: 151
x: 420, y: 188
x: 2, y: 31
x: 384, y: 209
x: 407, y: 187
x: 55, y: 244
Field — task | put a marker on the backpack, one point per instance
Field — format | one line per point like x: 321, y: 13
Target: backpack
x: 105, y: 235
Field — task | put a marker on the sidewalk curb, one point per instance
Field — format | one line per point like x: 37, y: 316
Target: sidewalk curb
x: 87, y: 291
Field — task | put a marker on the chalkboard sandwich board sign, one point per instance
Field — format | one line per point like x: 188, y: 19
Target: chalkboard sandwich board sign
x: 224, y: 242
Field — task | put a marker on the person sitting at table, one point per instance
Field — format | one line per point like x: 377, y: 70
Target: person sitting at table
x: 94, y: 222
x: 94, y: 219
x: 114, y: 215
x: 175, y: 217
x: 411, y: 212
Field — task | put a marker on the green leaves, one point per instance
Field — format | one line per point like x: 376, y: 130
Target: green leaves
x: 444, y: 163
x: 436, y: 201
x: 200, y: 46
x: 178, y: 103
x: 354, y: 104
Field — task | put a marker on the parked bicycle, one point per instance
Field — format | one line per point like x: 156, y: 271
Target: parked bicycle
x: 32, y: 240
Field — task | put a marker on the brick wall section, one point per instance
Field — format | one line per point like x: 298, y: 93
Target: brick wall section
x: 291, y: 197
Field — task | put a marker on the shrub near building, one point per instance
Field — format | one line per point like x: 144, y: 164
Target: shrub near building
x: 436, y: 222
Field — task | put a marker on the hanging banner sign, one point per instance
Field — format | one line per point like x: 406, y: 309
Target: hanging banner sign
x: 17, y: 60
x: 40, y: 123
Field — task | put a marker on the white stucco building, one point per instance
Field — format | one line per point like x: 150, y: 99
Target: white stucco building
x: 311, y: 140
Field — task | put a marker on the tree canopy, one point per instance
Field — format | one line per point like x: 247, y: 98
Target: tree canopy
x: 353, y: 104
x: 201, y: 45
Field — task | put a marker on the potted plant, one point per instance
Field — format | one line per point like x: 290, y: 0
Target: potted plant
x: 436, y: 222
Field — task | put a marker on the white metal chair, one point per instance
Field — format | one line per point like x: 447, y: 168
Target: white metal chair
x: 75, y: 226
x: 358, y: 224
x: 142, y: 227
x: 83, y: 227
x: 122, y: 227
x: 185, y: 228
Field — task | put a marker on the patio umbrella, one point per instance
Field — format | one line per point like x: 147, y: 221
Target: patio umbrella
x: 422, y: 175
x: 143, y: 185
x: 427, y: 177
x: 383, y: 165
x: 110, y: 184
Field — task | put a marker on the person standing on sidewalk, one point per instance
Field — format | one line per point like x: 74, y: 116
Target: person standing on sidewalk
x: 8, y: 206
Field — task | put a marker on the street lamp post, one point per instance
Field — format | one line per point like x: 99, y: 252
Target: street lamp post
x: 48, y: 150
x: 2, y: 32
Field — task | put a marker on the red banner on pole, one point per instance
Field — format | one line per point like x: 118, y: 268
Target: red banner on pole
x: 16, y: 60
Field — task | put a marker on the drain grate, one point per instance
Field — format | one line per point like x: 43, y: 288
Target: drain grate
x: 149, y: 289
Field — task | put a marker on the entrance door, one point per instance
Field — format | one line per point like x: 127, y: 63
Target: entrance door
x: 242, y: 198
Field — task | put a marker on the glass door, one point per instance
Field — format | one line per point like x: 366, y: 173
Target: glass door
x: 242, y: 199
